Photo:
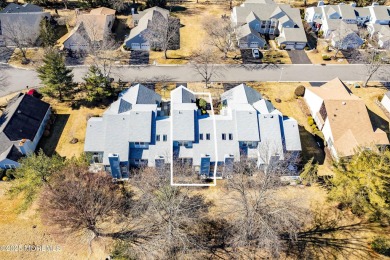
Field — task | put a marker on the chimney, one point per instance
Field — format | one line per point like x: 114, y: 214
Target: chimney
x: 132, y: 11
x: 320, y: 3
x: 353, y: 4
x: 375, y: 4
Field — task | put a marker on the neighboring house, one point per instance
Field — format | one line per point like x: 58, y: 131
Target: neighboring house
x: 384, y: 37
x: 136, y: 131
x: 20, y: 22
x: 142, y: 22
x: 265, y: 17
x: 92, y: 27
x: 343, y: 119
x: 329, y: 18
x: 21, y: 127
x: 386, y: 101
x: 345, y: 38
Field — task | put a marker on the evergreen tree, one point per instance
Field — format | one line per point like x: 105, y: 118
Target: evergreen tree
x: 47, y: 33
x: 96, y: 84
x: 362, y: 183
x: 34, y: 172
x: 55, y: 75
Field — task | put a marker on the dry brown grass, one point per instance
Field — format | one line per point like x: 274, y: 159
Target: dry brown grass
x: 75, y: 127
x: 192, y: 35
x: 35, y: 56
x: 27, y: 228
x: 315, y: 56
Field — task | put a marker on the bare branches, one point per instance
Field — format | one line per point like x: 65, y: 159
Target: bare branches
x: 163, y: 33
x: 77, y: 200
x: 259, y: 216
x: 18, y: 34
x: 221, y: 34
x: 171, y: 213
x: 203, y: 63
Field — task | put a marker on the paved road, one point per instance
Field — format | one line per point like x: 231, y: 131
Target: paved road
x: 17, y: 79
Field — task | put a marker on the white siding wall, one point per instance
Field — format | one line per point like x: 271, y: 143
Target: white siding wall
x: 313, y: 101
x: 386, y: 103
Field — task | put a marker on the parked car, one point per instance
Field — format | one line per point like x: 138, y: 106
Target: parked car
x: 255, y: 53
x: 33, y: 92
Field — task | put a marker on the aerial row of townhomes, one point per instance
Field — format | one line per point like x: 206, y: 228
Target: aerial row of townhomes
x: 141, y: 129
x: 255, y: 21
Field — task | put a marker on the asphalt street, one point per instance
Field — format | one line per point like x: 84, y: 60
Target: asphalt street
x: 17, y: 79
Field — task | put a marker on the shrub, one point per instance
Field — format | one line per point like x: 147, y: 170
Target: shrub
x: 319, y: 134
x: 5, y: 178
x: 325, y: 57
x: 320, y: 34
x: 381, y: 245
x: 310, y: 120
x: 300, y: 91
x: 202, y: 103
x: 314, y: 127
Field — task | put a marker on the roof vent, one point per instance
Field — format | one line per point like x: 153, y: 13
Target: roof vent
x: 344, y: 103
x: 19, y: 111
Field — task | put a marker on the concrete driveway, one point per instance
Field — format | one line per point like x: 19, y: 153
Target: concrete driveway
x: 298, y: 57
x: 138, y: 57
x: 247, y: 57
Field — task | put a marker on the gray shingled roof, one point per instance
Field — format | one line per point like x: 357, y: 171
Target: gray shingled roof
x: 26, y: 8
x: 241, y: 94
x: 291, y: 135
x: 183, y: 121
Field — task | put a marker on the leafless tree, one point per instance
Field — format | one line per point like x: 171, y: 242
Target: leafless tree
x: 100, y: 45
x: 221, y: 34
x: 17, y: 34
x: 163, y: 33
x: 77, y: 200
x: 203, y: 62
x: 170, y: 216
x: 344, y: 39
x: 373, y: 61
x: 261, y: 218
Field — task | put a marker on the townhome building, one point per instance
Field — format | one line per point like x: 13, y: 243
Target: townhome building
x: 344, y: 20
x: 257, y: 20
x: 138, y: 130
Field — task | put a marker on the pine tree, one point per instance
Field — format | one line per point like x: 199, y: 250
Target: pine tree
x: 96, y: 84
x: 55, y: 75
x: 363, y: 183
x: 47, y: 33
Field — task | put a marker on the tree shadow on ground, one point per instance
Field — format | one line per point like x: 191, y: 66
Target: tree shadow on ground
x: 328, y: 236
x: 379, y: 122
x: 49, y: 143
x: 312, y: 146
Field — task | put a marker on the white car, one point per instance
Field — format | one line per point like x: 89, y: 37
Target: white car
x: 255, y: 53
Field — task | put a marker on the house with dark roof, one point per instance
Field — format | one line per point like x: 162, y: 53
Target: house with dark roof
x: 21, y: 127
x: 135, y: 131
x: 21, y: 21
x: 343, y: 119
x: 256, y: 19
